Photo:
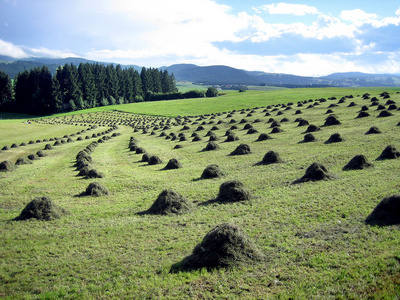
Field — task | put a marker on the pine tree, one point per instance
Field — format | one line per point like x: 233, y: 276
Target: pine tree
x: 23, y: 92
x: 67, y: 77
x: 6, y: 92
x: 87, y: 85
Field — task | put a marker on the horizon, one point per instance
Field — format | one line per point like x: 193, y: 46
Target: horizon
x: 303, y: 38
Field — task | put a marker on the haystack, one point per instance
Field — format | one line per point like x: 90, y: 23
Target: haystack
x: 334, y: 138
x: 271, y: 157
x: 373, y: 130
x: 315, y: 172
x: 231, y: 138
x: 154, y: 160
x: 96, y: 189
x: 358, y: 162
x: 332, y: 120
x: 362, y: 114
x: 276, y: 130
x: 41, y: 208
x: 232, y: 191
x: 309, y: 137
x: 263, y: 137
x: 387, y: 212
x: 384, y: 114
x: 226, y: 245
x: 212, y: 171
x: 302, y: 122
x: 22, y: 161
x: 169, y: 202
x: 84, y: 171
x: 173, y: 163
x: 93, y: 173
x: 242, y: 149
x: 211, y: 146
x: 313, y: 128
x: 33, y: 157
x: 390, y: 152
x: 6, y: 166
x: 145, y: 157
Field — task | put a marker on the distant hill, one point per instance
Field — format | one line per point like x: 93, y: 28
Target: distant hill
x: 220, y: 75
x: 12, y: 66
x: 223, y: 75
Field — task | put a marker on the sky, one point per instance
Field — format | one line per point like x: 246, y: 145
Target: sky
x: 309, y: 38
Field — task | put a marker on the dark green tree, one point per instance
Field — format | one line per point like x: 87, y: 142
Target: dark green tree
x: 67, y: 77
x: 211, y: 92
x: 6, y: 91
x: 87, y: 85
x: 43, y: 97
x: 99, y: 81
x: 23, y: 92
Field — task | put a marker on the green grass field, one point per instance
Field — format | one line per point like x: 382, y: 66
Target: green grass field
x: 313, y: 234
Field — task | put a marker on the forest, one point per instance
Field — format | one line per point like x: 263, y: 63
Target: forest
x: 85, y: 86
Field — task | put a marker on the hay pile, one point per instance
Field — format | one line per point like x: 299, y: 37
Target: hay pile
x: 242, y: 149
x: 263, y: 137
x: 302, y: 122
x: 384, y: 114
x: 271, y: 157
x: 6, y: 166
x: 169, y: 202
x: 22, y: 161
x: 387, y: 212
x: 154, y: 160
x: 211, y: 146
x: 212, y: 171
x: 308, y: 138
x: 313, y: 128
x: 373, y: 130
x: 93, y: 173
x: 232, y: 191
x: 173, y: 163
x: 332, y: 120
x: 390, y: 152
x: 358, y: 162
x: 226, y: 245
x: 33, y: 157
x: 276, y: 130
x: 315, y: 172
x: 334, y: 138
x: 231, y: 137
x: 362, y: 114
x: 41, y: 208
x: 96, y: 189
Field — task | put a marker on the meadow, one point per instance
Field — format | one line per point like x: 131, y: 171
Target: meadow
x: 316, y: 242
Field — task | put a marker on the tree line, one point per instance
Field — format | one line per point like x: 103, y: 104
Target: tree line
x: 89, y: 85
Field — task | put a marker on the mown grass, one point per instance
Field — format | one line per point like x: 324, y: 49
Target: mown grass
x: 313, y: 234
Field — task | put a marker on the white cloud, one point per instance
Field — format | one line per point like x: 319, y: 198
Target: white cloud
x: 44, y: 52
x: 357, y: 16
x: 288, y: 9
x: 9, y: 49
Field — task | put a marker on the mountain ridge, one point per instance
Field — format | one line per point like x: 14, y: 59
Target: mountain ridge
x: 219, y: 74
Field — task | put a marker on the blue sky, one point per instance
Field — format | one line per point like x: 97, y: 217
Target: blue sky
x: 310, y: 38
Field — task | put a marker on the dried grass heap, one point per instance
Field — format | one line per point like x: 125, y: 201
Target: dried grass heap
x: 169, y: 202
x: 224, y: 246
x: 41, y: 208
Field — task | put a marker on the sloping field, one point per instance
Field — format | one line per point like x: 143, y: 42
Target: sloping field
x: 313, y: 234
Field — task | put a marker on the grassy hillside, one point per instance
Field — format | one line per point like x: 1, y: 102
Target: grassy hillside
x: 231, y: 100
x: 313, y: 234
